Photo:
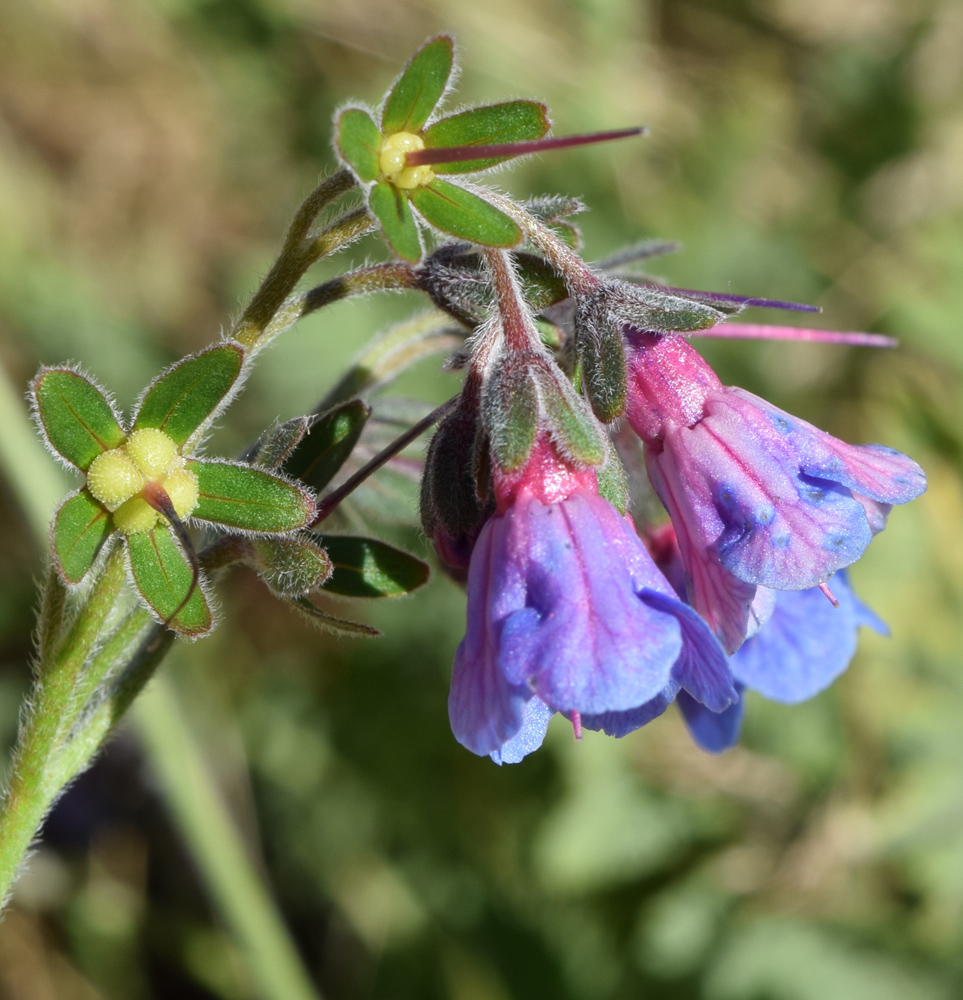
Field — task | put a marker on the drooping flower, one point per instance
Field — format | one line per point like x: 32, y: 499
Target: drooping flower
x: 568, y: 613
x: 758, y: 498
x: 799, y: 644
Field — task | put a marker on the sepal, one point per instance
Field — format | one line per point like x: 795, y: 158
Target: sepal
x: 75, y: 416
x: 248, y: 499
x: 511, y: 121
x: 164, y: 579
x: 419, y: 88
x: 328, y: 443
x: 510, y: 412
x: 290, y: 567
x: 331, y: 623
x: 184, y: 399
x: 278, y: 443
x: 359, y: 143
x: 80, y: 528
x: 390, y: 207
x: 574, y: 430
x: 599, y: 343
x: 464, y: 215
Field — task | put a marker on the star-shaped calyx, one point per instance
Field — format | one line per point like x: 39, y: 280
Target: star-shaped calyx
x: 142, y: 482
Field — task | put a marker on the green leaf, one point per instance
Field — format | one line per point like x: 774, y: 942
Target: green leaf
x: 327, y: 444
x: 390, y: 207
x: 513, y: 121
x: 239, y: 496
x: 290, y: 567
x: 80, y: 528
x: 419, y: 88
x: 365, y: 567
x: 576, y: 432
x: 603, y: 367
x: 331, y: 623
x: 464, y: 215
x: 510, y: 407
x: 182, y: 398
x: 164, y: 577
x: 359, y: 143
x: 76, y: 417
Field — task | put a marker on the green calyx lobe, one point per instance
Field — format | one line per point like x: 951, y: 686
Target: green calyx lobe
x: 359, y: 142
x: 184, y: 397
x: 80, y: 528
x: 365, y: 567
x: 249, y: 499
x: 164, y: 579
x: 513, y: 121
x: 574, y: 430
x: 75, y: 416
x: 511, y: 409
x: 390, y: 207
x: 464, y: 215
x: 327, y: 444
x: 291, y: 567
x: 419, y: 88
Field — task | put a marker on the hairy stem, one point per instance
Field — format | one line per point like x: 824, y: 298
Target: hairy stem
x: 36, y: 779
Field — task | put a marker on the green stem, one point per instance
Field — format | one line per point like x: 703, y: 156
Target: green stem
x: 222, y: 859
x: 36, y: 776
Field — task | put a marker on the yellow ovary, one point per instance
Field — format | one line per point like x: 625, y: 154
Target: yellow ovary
x: 113, y: 478
x: 152, y: 451
x: 392, y: 161
x: 135, y: 516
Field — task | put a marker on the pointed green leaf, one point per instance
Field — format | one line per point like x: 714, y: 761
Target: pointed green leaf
x: 464, y: 215
x: 364, y: 567
x: 419, y: 88
x: 290, y: 567
x: 359, y: 143
x: 164, y: 577
x: 80, y: 528
x: 331, y: 623
x: 239, y: 496
x: 76, y: 417
x: 390, y: 207
x: 575, y: 431
x: 327, y: 444
x: 510, y: 408
x: 182, y: 398
x: 513, y: 121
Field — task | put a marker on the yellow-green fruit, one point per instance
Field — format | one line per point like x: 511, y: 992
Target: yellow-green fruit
x: 182, y: 489
x: 113, y: 478
x: 392, y: 161
x: 152, y: 451
x: 135, y: 516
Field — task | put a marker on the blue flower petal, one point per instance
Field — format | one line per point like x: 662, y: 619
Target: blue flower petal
x: 530, y: 737
x: 623, y: 723
x: 806, y: 644
x: 713, y: 731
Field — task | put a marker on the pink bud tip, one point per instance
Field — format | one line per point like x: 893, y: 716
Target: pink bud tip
x: 458, y: 154
x: 762, y: 331
x: 824, y: 587
x: 577, y: 724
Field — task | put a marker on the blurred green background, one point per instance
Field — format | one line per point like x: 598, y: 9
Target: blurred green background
x: 151, y: 152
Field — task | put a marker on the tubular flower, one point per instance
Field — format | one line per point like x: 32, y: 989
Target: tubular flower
x: 568, y: 613
x: 758, y: 498
x: 799, y: 644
